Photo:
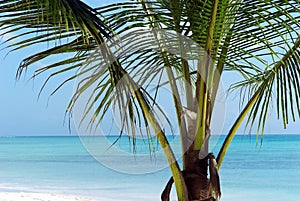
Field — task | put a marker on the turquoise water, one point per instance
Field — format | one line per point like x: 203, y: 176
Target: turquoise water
x: 63, y: 165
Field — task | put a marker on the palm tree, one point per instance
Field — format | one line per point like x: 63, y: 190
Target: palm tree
x: 259, y: 39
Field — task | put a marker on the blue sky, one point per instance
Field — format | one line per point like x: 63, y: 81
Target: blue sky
x: 21, y: 113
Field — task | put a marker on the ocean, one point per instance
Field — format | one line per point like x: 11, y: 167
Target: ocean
x: 63, y: 165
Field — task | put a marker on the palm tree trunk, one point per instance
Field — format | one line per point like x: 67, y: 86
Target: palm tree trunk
x: 198, y: 184
x: 195, y: 175
x: 195, y: 169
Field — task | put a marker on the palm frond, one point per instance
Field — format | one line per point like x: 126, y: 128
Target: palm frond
x: 273, y: 84
x: 262, y: 31
x: 265, y: 46
x: 283, y: 85
x: 74, y: 29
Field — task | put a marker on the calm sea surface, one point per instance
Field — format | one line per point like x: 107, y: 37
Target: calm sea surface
x: 63, y: 165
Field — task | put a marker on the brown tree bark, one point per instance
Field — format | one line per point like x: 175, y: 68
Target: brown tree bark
x: 196, y: 179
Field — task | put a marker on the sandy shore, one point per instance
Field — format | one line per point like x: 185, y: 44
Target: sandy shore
x: 11, y: 196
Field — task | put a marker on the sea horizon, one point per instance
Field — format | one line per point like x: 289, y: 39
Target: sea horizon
x: 116, y: 135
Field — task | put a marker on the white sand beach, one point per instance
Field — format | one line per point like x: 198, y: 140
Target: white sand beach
x: 21, y: 196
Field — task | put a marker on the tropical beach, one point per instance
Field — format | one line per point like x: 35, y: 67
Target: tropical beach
x: 60, y: 168
x: 150, y: 100
x: 5, y: 196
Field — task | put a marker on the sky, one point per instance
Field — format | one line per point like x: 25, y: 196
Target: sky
x: 22, y: 113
